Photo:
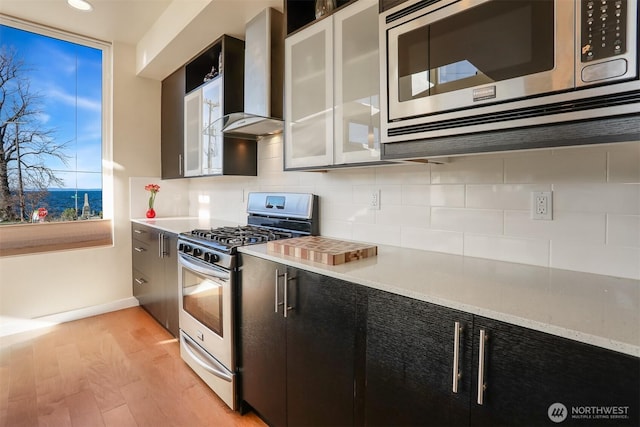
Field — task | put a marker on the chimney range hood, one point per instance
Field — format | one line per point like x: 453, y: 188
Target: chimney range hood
x: 263, y: 79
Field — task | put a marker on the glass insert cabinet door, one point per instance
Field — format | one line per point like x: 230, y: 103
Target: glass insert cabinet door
x: 192, y: 144
x: 309, y: 101
x: 357, y: 83
x: 211, y: 127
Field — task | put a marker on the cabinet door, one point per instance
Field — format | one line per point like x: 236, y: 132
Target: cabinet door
x: 211, y: 126
x: 193, y: 133
x: 526, y: 372
x: 150, y: 290
x: 308, y: 138
x: 357, y: 84
x: 172, y: 125
x: 321, y: 329
x: 171, y: 286
x: 410, y: 362
x: 262, y: 358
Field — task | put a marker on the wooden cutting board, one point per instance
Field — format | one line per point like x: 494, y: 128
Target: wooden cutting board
x: 323, y: 249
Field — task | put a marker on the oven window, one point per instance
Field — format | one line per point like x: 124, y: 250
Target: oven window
x: 202, y: 299
x: 498, y: 40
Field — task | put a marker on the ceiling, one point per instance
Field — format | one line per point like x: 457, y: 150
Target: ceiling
x: 111, y: 20
x: 144, y: 24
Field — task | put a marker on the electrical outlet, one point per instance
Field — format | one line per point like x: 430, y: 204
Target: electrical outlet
x: 542, y: 205
x: 374, y: 202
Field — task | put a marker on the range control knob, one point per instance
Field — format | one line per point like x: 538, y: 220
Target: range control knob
x: 181, y: 247
x: 197, y: 252
x: 211, y: 257
x: 186, y: 249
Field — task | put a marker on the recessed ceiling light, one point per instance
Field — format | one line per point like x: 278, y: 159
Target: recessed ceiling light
x: 80, y: 5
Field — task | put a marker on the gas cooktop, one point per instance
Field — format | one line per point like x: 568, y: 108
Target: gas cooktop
x: 227, y: 239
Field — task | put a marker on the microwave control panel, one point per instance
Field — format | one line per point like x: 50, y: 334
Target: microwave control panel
x: 603, y: 29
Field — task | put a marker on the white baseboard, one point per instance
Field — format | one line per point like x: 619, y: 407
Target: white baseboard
x: 12, y: 325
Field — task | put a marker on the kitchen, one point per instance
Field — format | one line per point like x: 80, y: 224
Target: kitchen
x: 476, y: 206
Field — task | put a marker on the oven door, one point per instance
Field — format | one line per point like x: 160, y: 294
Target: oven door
x: 459, y: 54
x: 206, y: 324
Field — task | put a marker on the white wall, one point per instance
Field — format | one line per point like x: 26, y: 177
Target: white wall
x: 43, y: 284
x: 477, y: 206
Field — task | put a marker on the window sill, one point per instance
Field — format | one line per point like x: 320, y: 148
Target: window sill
x: 23, y: 239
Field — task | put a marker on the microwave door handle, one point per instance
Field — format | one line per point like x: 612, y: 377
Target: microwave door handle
x: 207, y: 271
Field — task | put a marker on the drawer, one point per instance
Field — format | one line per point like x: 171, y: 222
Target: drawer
x: 142, y: 233
x: 144, y: 256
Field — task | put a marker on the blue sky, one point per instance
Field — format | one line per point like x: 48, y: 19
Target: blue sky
x: 68, y: 79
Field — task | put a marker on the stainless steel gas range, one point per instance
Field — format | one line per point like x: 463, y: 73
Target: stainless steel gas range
x: 207, y: 263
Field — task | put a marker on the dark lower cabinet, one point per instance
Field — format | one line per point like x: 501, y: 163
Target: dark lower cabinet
x: 296, y: 370
x: 409, y: 363
x: 512, y: 376
x: 155, y: 274
x: 526, y: 372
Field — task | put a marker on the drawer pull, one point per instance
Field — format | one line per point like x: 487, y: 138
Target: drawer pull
x: 138, y: 249
x: 138, y: 231
x: 140, y: 281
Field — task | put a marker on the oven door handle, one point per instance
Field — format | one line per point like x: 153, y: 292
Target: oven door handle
x: 218, y: 369
x: 207, y: 270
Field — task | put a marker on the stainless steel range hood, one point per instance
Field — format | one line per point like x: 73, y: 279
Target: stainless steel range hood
x: 263, y: 79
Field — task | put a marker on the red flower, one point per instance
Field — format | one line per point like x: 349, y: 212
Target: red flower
x: 153, y: 188
x: 42, y: 212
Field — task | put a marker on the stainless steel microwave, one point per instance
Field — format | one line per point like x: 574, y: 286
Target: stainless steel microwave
x: 454, y: 67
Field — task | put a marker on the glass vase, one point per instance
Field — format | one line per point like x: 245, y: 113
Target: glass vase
x: 324, y: 7
x: 151, y: 213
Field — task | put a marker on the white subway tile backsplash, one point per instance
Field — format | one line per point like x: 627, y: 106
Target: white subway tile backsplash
x: 483, y: 221
x: 623, y: 230
x: 558, y: 166
x: 376, y: 233
x: 447, y: 195
x: 418, y: 195
x: 404, y: 174
x: 502, y: 196
x: 511, y: 249
x: 624, y: 163
x: 603, y: 198
x: 413, y: 216
x: 462, y: 170
x: 432, y: 240
x: 579, y: 227
x: 599, y: 259
x: 474, y: 205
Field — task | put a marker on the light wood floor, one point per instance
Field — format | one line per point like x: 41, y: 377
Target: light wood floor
x: 118, y: 369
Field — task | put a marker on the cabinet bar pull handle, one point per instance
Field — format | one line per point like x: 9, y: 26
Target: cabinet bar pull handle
x: 140, y: 281
x: 138, y: 231
x: 482, y: 386
x: 160, y: 244
x: 179, y: 164
x: 276, y: 282
x: 456, y: 356
x: 286, y: 286
x: 137, y: 249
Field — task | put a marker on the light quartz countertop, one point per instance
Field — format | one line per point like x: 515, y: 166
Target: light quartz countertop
x: 179, y: 225
x: 600, y: 310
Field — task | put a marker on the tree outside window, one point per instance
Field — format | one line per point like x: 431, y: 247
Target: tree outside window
x: 50, y: 128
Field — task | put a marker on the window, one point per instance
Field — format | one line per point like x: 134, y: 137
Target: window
x: 53, y: 124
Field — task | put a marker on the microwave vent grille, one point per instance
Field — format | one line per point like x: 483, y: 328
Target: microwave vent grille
x: 410, y: 9
x: 606, y: 101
